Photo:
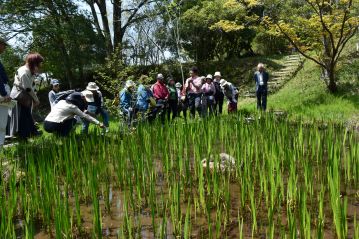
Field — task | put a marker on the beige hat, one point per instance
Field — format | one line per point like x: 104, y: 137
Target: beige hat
x: 92, y: 86
x: 209, y: 76
x: 217, y: 74
x: 88, y: 96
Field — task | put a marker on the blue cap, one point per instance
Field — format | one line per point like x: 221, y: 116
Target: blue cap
x: 55, y: 82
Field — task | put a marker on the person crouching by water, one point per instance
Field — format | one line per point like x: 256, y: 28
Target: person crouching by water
x: 95, y: 106
x: 22, y: 122
x: 231, y: 94
x: 126, y: 105
x: 61, y: 119
x: 208, y: 99
x: 261, y: 77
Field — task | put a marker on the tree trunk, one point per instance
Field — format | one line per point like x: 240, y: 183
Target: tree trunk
x: 332, y: 85
x: 106, y: 27
x: 117, y: 25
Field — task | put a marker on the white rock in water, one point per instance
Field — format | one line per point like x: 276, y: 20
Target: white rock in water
x: 226, y: 162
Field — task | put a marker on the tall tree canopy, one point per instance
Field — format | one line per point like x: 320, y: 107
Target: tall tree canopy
x: 318, y: 29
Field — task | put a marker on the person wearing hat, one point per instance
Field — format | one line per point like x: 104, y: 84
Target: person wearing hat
x: 4, y: 96
x: 61, y: 119
x: 261, y: 77
x: 95, y: 106
x: 208, y: 100
x: 161, y: 94
x: 219, y: 96
x: 230, y: 93
x: 194, y: 92
x: 160, y: 91
x: 125, y: 104
x: 172, y: 99
x: 53, y: 93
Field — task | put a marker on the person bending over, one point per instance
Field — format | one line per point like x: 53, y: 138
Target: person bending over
x: 61, y: 119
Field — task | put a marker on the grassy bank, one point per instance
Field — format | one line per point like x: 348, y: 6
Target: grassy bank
x: 306, y: 95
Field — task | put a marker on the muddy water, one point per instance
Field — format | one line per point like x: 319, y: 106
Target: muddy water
x: 112, y: 222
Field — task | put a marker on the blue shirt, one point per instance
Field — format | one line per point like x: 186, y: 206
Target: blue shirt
x: 125, y: 99
x: 52, y: 97
x: 143, y: 95
x: 3, y: 80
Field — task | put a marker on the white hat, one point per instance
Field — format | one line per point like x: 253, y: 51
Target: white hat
x: 160, y: 77
x: 130, y: 84
x: 92, y: 86
x: 209, y: 76
x: 223, y: 82
x: 88, y: 96
x: 178, y: 85
x: 217, y: 74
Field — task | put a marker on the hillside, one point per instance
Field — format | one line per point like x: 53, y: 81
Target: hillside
x: 306, y: 95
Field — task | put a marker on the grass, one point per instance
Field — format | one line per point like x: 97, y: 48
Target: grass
x: 306, y: 96
x: 152, y: 182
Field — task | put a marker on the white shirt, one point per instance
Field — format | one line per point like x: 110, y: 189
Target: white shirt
x: 63, y: 111
x: 261, y: 82
x: 25, y: 80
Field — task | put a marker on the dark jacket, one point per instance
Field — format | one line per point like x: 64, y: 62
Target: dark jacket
x: 219, y: 92
x: 265, y: 80
x: 3, y: 80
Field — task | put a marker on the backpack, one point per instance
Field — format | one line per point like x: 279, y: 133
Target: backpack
x: 62, y: 95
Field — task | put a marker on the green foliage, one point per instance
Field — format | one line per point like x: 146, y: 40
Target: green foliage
x: 11, y: 62
x: 59, y: 31
x: 268, y: 43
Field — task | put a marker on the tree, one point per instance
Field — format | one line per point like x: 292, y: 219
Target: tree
x: 319, y: 30
x: 217, y: 29
x: 56, y: 29
x: 125, y: 15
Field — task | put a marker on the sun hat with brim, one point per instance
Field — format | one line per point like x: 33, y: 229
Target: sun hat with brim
x: 55, y: 82
x: 217, y: 74
x: 209, y: 77
x: 223, y: 83
x: 159, y: 77
x: 178, y: 85
x: 130, y: 84
x: 92, y: 86
x: 3, y: 41
x: 88, y: 96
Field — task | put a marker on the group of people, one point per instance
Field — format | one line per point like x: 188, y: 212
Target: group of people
x: 67, y: 108
x: 202, y: 95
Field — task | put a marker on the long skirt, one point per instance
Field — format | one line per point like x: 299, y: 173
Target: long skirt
x: 22, y: 124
